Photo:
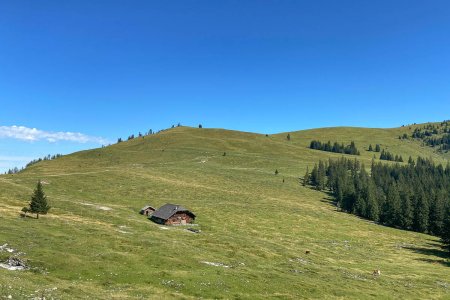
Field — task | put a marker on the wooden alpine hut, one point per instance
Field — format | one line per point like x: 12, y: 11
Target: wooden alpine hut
x: 172, y: 214
x: 147, y: 210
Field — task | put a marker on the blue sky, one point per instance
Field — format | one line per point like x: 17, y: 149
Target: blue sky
x: 111, y: 68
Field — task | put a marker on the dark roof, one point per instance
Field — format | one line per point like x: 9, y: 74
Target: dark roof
x: 168, y: 210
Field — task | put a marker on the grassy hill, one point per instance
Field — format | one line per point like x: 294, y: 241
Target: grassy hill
x: 255, y: 228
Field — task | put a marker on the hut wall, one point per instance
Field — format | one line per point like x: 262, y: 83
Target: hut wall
x: 179, y: 218
x: 148, y: 211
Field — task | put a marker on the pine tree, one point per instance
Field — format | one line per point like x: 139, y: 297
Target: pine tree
x: 38, y: 204
x: 360, y: 206
x: 306, y: 177
x: 321, y: 172
x: 445, y: 235
x: 382, y: 155
x: 370, y: 147
x: 437, y: 213
x: 421, y: 213
x: 314, y: 176
x: 393, y: 208
x: 276, y: 172
x: 377, y: 148
x: 288, y: 137
x: 407, y: 213
x: 373, y: 210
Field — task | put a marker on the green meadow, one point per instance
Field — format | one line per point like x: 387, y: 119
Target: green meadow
x: 255, y: 226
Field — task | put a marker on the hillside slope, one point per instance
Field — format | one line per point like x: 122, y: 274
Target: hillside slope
x: 255, y: 227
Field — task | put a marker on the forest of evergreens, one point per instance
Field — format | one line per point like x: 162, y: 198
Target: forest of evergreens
x: 414, y: 196
x: 335, y: 147
x: 386, y: 155
x: 434, y: 135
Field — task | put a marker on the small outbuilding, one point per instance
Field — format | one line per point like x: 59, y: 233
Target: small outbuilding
x: 147, y: 210
x: 172, y: 214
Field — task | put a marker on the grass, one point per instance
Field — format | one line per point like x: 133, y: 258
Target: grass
x: 250, y: 220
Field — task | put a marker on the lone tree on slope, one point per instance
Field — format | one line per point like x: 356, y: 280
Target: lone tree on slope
x: 38, y: 204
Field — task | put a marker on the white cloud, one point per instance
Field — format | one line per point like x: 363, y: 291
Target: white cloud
x: 32, y: 134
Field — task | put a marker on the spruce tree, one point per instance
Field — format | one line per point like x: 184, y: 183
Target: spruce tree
x: 306, y: 177
x: 370, y: 147
x: 382, y: 155
x: 437, y: 213
x: 421, y: 214
x: 321, y: 172
x: 314, y: 176
x: 377, y: 148
x: 38, y: 204
x: 407, y: 213
x: 373, y: 210
x: 393, y: 208
x: 446, y: 229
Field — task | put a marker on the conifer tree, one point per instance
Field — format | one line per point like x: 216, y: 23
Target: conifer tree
x: 306, y: 177
x: 377, y: 148
x: 437, y: 213
x: 373, y: 210
x: 421, y: 213
x: 314, y: 176
x: 407, y: 213
x: 446, y: 229
x: 393, y: 208
x: 382, y: 155
x: 370, y: 147
x: 38, y: 204
x: 321, y: 176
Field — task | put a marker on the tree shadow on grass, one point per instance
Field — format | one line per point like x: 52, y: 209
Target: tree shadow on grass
x: 445, y: 263
x: 329, y: 199
x: 437, y: 251
x: 23, y: 216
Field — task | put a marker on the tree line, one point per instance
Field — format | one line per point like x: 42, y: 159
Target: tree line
x: 149, y: 132
x: 335, y: 147
x: 434, y: 135
x: 386, y: 155
x: 16, y: 170
x: 414, y: 196
x: 443, y: 142
x: 377, y: 148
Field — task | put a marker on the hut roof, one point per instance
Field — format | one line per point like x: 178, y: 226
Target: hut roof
x: 168, y: 210
x: 147, y: 206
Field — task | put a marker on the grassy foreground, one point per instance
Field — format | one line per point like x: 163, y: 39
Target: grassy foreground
x: 255, y: 228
